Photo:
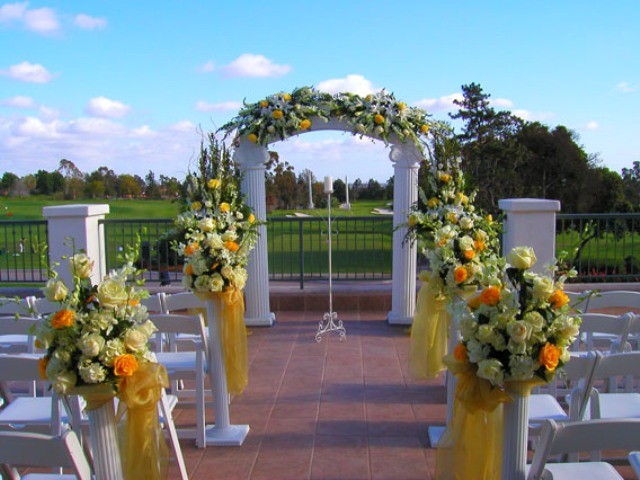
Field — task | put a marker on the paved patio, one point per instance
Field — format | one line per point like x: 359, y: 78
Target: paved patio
x: 331, y: 410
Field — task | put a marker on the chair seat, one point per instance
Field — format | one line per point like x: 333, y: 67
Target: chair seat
x: 28, y: 410
x: 634, y: 460
x: 177, y: 361
x: 575, y: 470
x: 543, y: 407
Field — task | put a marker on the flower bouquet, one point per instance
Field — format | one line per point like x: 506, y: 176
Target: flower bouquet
x: 215, y: 232
x: 97, y: 346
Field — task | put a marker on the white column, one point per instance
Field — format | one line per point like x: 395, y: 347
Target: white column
x: 80, y: 223
x: 531, y: 222
x: 406, y: 161
x: 346, y: 191
x: 252, y: 160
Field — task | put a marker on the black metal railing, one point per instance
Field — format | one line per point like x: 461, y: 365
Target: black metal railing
x: 23, y: 251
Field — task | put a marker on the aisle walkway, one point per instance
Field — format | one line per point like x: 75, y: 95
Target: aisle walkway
x: 328, y: 410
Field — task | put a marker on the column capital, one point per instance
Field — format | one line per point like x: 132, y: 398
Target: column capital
x: 251, y: 156
x: 405, y: 155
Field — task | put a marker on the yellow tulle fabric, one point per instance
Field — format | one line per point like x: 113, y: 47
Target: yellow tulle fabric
x: 471, y: 446
x: 233, y: 334
x: 428, y: 343
x: 144, y: 452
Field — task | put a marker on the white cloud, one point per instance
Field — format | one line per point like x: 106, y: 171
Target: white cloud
x: 42, y: 20
x: 207, y: 67
x: 501, y: 103
x: 203, y: 106
x: 250, y: 65
x: 144, y: 131
x: 88, y: 22
x: 12, y: 11
x: 352, y: 83
x: 532, y: 116
x: 442, y: 104
x: 19, y: 101
x: 107, y: 108
x: 183, y: 126
x: 626, y: 87
x: 592, y: 125
x: 28, y: 72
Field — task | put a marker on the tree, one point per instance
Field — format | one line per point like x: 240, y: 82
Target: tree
x: 7, y: 182
x: 49, y: 183
x: 631, y: 185
x: 73, y: 178
x: 128, y: 186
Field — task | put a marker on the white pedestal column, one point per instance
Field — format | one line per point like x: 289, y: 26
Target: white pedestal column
x: 515, y: 433
x: 104, y: 442
x: 531, y: 222
x: 406, y: 161
x: 80, y: 222
x: 222, y: 433
x: 252, y: 160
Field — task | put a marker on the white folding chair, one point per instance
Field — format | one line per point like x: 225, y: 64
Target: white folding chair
x: 634, y: 461
x: 42, y: 306
x: 27, y: 449
x: 619, y: 394
x: 622, y: 300
x: 186, y: 365
x: 572, y: 438
x: 15, y: 308
x: 578, y: 377
x: 602, y: 330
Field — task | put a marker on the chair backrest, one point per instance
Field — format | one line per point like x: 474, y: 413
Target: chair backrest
x: 20, y: 306
x: 42, y: 306
x: 615, y: 327
x: 18, y: 331
x: 624, y: 300
x: 624, y: 366
x: 578, y: 300
x: 154, y: 303
x: 171, y: 324
x: 579, y: 372
x: 185, y: 301
x: 560, y: 438
x: 17, y: 367
x: 39, y: 450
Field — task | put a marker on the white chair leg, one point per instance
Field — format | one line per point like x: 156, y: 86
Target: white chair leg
x: 173, y: 436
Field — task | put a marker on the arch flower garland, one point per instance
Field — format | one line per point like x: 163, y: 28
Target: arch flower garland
x: 282, y: 115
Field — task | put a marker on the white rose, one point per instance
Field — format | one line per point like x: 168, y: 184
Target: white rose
x: 227, y: 271
x: 64, y: 382
x: 217, y: 282
x: 535, y: 320
x: 229, y: 236
x: 485, y: 333
x: 112, y: 293
x: 466, y: 223
x: 491, y: 369
x: 521, y: 367
x: 543, y: 287
x: 466, y: 243
x: 206, y: 224
x: 521, y: 258
x: 112, y: 349
x: 476, y: 351
x: 80, y: 265
x: 148, y: 328
x: 91, y: 345
x: 214, y: 242
x: 93, y: 373
x: 55, y: 290
x: 519, y: 331
x: 135, y: 340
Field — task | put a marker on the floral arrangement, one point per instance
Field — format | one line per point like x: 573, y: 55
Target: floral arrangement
x: 282, y: 115
x: 459, y: 241
x: 100, y: 334
x: 519, y: 326
x: 215, y: 229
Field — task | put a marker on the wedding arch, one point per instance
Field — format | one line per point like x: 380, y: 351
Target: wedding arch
x: 378, y: 116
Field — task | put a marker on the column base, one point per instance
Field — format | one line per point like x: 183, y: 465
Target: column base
x: 229, y: 436
x: 265, y: 321
x: 398, y: 319
x: 434, y: 435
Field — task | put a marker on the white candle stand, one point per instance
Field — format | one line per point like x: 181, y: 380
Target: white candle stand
x: 104, y: 442
x: 222, y: 433
x: 328, y: 322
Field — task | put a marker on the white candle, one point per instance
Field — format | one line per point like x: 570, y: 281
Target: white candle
x: 328, y: 185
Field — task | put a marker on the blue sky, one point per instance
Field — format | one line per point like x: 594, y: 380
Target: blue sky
x: 129, y: 85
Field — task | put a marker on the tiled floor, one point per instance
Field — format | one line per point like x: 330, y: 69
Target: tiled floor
x: 330, y: 410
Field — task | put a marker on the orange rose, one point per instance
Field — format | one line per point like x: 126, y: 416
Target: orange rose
x: 558, y: 299
x: 474, y: 302
x: 490, y: 296
x: 134, y: 302
x: 252, y: 137
x: 469, y: 254
x: 277, y: 114
x: 549, y: 356
x: 125, y: 365
x: 188, y: 269
x: 42, y: 367
x: 232, y: 246
x: 479, y: 245
x: 305, y: 124
x: 460, y: 274
x: 191, y: 248
x: 460, y: 353
x: 62, y: 319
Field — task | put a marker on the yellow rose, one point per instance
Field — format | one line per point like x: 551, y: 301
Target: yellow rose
x: 196, y: 206
x: 378, y: 119
x: 252, y: 137
x: 213, y: 183
x: 424, y: 129
x: 277, y: 114
x: 444, y: 177
x: 225, y: 207
x: 251, y: 218
x: 125, y: 365
x: 264, y: 103
x: 62, y: 319
x: 402, y: 106
x: 433, y: 202
x: 286, y: 97
x: 305, y: 124
x: 112, y: 293
x: 521, y: 258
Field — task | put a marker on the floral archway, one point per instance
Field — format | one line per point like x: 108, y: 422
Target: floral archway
x: 378, y: 116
